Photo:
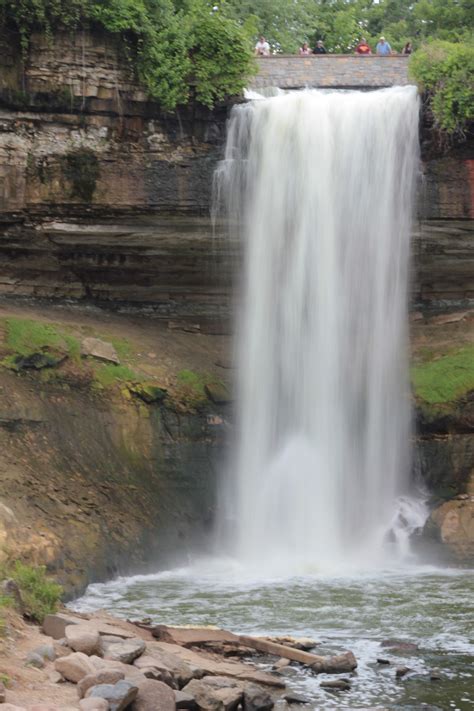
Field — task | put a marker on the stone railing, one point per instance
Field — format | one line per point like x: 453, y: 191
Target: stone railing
x: 338, y: 71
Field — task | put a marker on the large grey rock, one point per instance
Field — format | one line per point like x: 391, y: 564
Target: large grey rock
x: 215, y: 693
x: 154, y: 696
x: 185, y: 701
x: 119, y: 695
x: 46, y: 651
x: 153, y: 669
x: 75, y: 666
x: 34, y: 660
x: 106, y: 676
x: 55, y: 625
x: 97, y: 348
x: 82, y: 638
x: 256, y: 699
x: 339, y: 664
x: 125, y: 652
x: 94, y: 705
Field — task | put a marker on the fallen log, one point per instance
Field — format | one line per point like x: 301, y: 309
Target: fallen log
x: 340, y: 664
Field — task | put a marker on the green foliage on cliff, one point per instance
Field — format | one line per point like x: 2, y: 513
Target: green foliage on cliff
x: 40, y: 595
x: 180, y: 50
x: 445, y: 70
x: 445, y: 379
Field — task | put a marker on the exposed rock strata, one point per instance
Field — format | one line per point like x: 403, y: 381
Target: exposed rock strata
x: 83, y: 153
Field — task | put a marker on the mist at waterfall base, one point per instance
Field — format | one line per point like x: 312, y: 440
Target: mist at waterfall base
x: 317, y: 506
x: 318, y: 186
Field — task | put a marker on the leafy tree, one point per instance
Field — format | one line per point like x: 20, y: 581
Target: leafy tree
x: 445, y: 71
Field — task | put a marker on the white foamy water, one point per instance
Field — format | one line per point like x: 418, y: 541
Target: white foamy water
x: 319, y: 186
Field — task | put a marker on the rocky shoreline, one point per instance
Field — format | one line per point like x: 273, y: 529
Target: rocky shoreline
x: 101, y: 663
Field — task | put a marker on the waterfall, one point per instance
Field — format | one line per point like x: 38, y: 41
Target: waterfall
x: 318, y: 186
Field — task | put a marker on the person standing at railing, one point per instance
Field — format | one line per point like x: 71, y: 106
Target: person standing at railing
x: 305, y: 50
x: 408, y: 49
x: 363, y: 48
x: 320, y: 48
x: 262, y: 48
x: 383, y: 48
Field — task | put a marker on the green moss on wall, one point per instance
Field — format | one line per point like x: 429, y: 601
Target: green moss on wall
x: 81, y: 170
x: 445, y: 379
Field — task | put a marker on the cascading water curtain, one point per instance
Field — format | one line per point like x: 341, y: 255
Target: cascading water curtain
x: 319, y: 187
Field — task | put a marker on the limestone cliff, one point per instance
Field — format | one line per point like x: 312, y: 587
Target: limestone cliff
x: 104, y: 199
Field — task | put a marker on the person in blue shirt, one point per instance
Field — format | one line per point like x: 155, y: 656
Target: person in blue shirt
x: 383, y: 48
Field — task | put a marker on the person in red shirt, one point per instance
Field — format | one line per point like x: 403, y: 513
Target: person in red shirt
x: 363, y: 47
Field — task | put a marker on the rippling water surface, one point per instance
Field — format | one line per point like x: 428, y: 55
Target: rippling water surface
x: 433, y: 608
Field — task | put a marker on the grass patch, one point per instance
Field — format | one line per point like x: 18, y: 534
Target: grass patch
x: 108, y: 375
x: 191, y: 387
x: 193, y: 381
x: 445, y: 379
x: 123, y: 347
x: 25, y: 336
x: 40, y: 596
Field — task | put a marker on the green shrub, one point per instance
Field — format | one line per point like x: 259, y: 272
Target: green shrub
x: 445, y: 70
x: 40, y: 596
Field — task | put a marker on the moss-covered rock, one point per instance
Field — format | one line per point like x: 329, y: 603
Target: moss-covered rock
x: 148, y: 392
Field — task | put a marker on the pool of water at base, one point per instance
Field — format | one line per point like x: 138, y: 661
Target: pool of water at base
x: 428, y: 606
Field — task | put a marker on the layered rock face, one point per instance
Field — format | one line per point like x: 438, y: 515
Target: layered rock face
x: 102, y: 196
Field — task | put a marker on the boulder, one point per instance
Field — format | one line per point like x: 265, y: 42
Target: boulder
x: 292, y: 698
x: 55, y: 625
x: 153, y: 669
x: 256, y: 699
x: 185, y: 701
x: 154, y: 696
x: 75, y: 666
x: 401, y: 672
x: 339, y: 664
x: 34, y: 660
x: 454, y: 523
x: 338, y: 684
x: 435, y: 674
x: 119, y: 695
x: 215, y: 693
x: 46, y: 651
x: 102, y: 350
x: 82, y: 638
x: 94, y: 705
x: 125, y: 652
x: 107, y: 676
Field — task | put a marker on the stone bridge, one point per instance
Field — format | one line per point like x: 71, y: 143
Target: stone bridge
x: 331, y: 71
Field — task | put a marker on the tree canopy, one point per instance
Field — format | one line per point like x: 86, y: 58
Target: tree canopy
x: 286, y: 24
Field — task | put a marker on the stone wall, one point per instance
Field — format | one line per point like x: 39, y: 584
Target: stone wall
x: 338, y: 71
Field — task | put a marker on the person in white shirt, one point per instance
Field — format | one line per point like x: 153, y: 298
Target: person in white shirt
x: 262, y: 48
